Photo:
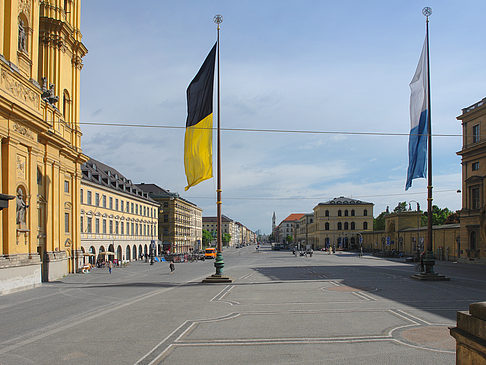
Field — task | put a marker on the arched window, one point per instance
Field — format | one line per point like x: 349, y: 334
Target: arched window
x: 340, y: 213
x: 353, y: 226
x: 346, y: 213
x: 327, y: 213
x: 472, y: 241
x: 340, y: 226
x: 326, y: 227
x: 346, y: 226
x: 352, y: 212
x: 365, y: 225
x: 365, y: 213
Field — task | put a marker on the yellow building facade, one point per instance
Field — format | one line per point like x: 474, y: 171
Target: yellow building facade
x: 404, y: 233
x: 118, y: 220
x: 338, y: 223
x: 40, y: 63
x: 473, y: 154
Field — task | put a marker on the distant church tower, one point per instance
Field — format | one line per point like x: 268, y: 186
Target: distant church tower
x: 273, y: 222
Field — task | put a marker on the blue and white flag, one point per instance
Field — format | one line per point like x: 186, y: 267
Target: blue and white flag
x: 417, y: 143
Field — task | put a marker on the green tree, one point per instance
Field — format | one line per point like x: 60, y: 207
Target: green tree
x: 379, y: 222
x: 226, y: 238
x: 401, y: 207
x: 207, y: 237
x: 439, y: 216
x: 289, y: 239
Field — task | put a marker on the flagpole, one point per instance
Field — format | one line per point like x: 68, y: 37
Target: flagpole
x: 429, y: 260
x: 218, y: 263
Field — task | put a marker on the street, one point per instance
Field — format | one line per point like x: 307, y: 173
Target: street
x: 280, y: 309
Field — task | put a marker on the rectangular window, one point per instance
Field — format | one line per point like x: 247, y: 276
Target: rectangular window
x: 116, y: 227
x: 104, y: 226
x: 97, y: 225
x: 89, y: 198
x: 121, y: 205
x: 97, y: 199
x: 132, y: 210
x: 121, y: 228
x: 136, y: 208
x: 476, y: 133
x: 66, y: 222
x: 81, y: 196
x: 475, y: 166
x: 128, y: 228
x: 132, y: 230
x: 475, y: 198
x: 116, y: 204
x: 82, y: 228
x: 66, y: 186
x: 111, y: 226
x: 104, y: 201
x: 111, y: 202
x: 90, y: 222
x: 136, y: 229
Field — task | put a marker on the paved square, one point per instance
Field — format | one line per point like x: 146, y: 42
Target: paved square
x: 280, y: 309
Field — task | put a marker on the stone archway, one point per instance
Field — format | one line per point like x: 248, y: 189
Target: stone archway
x: 128, y: 253
x: 119, y: 255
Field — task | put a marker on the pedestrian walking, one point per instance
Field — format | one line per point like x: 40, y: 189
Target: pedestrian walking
x: 110, y: 266
x: 171, y: 266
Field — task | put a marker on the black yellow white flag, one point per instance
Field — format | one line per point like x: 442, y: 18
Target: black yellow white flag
x: 198, y: 148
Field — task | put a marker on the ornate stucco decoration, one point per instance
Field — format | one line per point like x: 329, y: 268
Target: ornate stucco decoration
x: 25, y: 6
x: 21, y: 162
x: 19, y: 90
x: 20, y: 129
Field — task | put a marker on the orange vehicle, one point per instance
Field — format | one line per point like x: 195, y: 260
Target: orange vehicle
x: 210, y: 253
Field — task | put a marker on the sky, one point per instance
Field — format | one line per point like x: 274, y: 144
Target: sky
x: 320, y: 66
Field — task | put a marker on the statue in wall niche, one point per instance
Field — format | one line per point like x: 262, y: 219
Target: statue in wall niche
x: 21, y: 207
x: 48, y: 94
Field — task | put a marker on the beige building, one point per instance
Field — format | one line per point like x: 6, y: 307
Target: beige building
x: 40, y: 64
x: 244, y: 235
x: 472, y: 243
x: 304, y: 231
x: 116, y: 216
x: 180, y: 221
x: 228, y: 225
x: 339, y: 221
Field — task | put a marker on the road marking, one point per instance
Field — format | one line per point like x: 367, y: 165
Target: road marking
x: 161, y: 349
x: 414, y: 317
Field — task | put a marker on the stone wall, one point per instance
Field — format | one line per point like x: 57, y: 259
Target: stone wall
x: 470, y: 335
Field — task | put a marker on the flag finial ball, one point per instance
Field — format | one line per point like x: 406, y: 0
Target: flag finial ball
x: 427, y: 11
x: 218, y: 19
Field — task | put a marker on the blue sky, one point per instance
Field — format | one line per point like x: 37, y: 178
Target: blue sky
x: 293, y: 65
